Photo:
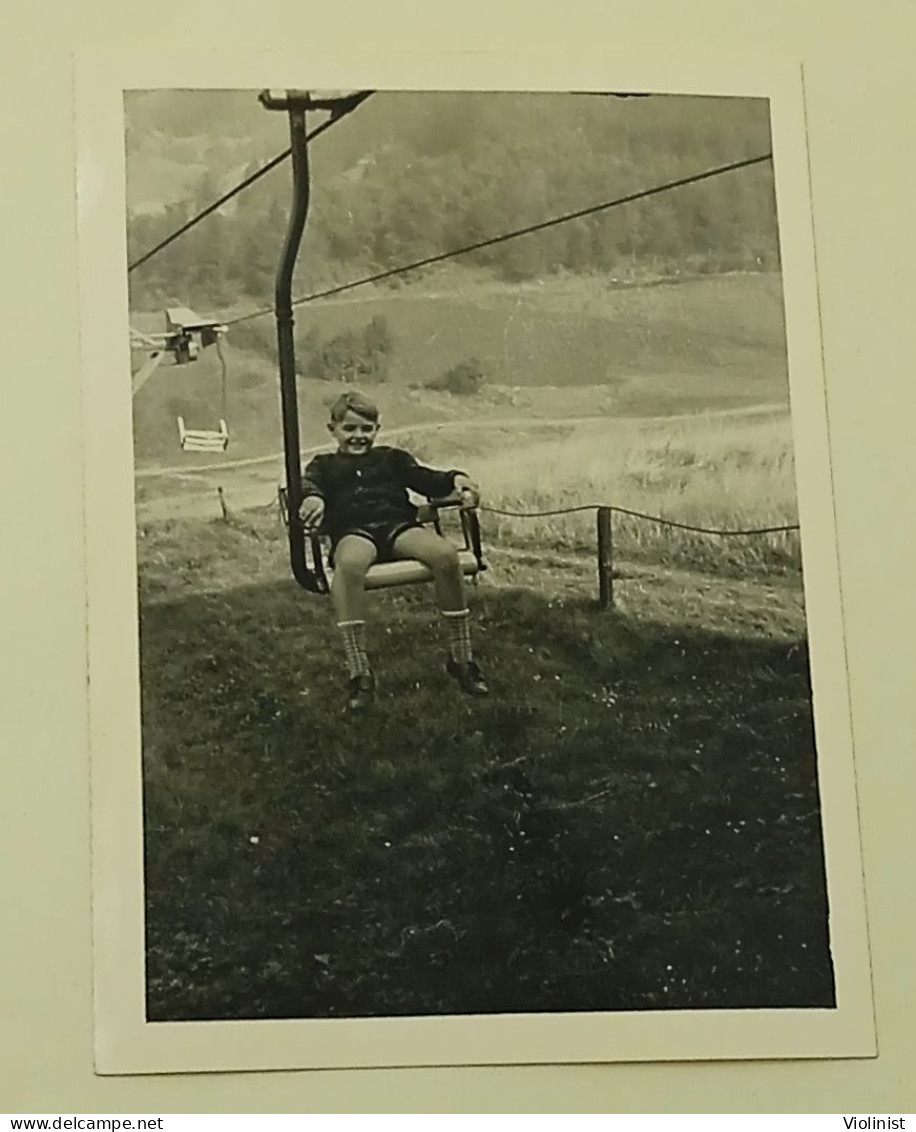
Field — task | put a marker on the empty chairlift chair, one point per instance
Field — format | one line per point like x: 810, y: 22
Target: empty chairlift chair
x: 203, y: 440
x: 186, y: 335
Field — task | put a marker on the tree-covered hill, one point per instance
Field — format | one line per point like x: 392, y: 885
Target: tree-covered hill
x: 410, y: 175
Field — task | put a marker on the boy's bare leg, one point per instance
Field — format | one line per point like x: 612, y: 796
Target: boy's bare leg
x: 442, y: 558
x: 353, y: 556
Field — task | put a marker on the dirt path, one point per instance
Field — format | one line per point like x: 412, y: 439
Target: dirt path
x: 252, y: 483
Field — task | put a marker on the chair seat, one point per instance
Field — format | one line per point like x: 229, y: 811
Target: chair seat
x: 318, y: 573
x: 408, y: 571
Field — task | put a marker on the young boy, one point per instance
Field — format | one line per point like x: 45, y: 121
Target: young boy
x: 358, y: 495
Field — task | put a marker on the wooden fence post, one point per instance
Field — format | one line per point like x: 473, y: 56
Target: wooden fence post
x: 605, y: 560
x: 222, y: 504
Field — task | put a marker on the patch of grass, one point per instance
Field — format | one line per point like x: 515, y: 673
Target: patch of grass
x: 631, y: 822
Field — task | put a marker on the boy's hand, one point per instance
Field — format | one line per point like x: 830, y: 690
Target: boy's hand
x: 311, y: 512
x: 468, y: 491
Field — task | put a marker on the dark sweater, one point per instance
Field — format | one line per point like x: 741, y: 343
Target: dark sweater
x: 371, y: 488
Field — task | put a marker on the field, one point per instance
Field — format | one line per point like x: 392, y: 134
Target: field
x: 630, y: 822
x: 566, y: 347
x: 723, y: 472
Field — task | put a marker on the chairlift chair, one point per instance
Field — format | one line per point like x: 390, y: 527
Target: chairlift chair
x: 186, y: 335
x: 203, y: 440
x: 402, y: 571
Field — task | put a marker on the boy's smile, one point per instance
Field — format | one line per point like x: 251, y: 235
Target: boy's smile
x: 354, y: 434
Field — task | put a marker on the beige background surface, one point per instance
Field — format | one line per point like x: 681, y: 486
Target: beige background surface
x: 858, y: 72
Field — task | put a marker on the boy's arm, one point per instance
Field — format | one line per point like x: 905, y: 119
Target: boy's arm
x: 311, y: 509
x: 313, y: 480
x: 432, y: 482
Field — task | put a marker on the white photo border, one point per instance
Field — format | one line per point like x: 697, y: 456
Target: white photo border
x: 125, y: 1043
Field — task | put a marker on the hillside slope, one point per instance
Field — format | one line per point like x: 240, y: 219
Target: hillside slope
x: 565, y: 346
x: 630, y: 822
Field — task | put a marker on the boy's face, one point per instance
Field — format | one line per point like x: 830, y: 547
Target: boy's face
x: 353, y: 433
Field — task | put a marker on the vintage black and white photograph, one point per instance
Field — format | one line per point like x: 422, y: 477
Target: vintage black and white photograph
x: 473, y: 648
x: 467, y: 454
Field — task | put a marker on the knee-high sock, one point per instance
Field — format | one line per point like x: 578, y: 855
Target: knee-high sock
x: 353, y: 634
x: 459, y: 634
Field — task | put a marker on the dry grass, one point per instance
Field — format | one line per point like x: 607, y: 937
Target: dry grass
x: 723, y: 473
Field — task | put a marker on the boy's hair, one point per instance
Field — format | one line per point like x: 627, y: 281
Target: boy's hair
x: 355, y: 402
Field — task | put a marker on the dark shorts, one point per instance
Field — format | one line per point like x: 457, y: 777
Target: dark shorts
x: 381, y: 535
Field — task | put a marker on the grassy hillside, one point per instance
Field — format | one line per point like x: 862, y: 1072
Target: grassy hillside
x: 561, y: 348
x: 570, y: 331
x: 574, y: 333
x: 630, y: 822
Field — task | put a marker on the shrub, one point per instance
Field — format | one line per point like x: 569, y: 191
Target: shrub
x: 351, y: 355
x: 463, y: 379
